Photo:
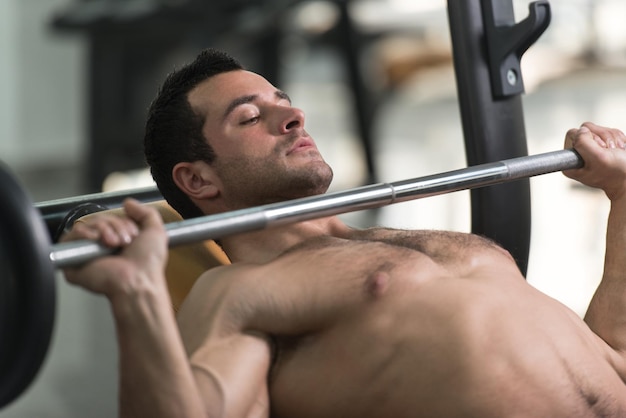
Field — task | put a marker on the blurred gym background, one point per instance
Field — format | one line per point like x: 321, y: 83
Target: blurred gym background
x: 77, y: 76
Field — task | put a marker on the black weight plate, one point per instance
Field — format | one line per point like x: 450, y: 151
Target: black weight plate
x: 27, y: 289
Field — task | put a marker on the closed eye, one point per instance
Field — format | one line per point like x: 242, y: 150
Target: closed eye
x: 251, y: 121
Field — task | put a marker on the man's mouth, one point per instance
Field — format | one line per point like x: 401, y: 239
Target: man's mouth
x: 301, y: 144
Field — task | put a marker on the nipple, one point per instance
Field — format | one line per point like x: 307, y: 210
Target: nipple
x: 377, y: 283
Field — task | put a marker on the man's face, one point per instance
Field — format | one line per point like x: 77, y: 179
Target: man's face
x: 263, y: 153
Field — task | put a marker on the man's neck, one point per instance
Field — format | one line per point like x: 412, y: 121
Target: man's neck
x: 265, y: 245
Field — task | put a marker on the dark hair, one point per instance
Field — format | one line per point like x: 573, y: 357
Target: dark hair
x: 174, y: 131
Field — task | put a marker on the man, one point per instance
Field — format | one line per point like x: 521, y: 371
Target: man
x: 317, y: 319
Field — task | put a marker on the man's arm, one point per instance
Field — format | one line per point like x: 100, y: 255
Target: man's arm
x: 604, y: 153
x: 230, y: 363
x: 156, y: 376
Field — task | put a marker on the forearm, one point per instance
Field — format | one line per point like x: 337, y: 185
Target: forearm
x: 155, y: 375
x: 606, y: 315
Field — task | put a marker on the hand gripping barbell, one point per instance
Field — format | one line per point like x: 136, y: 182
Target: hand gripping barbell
x: 27, y: 286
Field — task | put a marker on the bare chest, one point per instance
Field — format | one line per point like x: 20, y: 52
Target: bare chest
x: 413, y: 324
x: 374, y: 247
x: 390, y: 293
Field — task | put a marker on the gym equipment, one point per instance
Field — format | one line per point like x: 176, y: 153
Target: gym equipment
x: 59, y: 214
x: 27, y: 289
x: 488, y: 43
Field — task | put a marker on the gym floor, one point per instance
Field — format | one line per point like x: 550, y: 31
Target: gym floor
x: 419, y: 132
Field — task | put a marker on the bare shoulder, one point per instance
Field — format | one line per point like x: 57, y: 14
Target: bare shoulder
x: 215, y: 283
x: 211, y: 306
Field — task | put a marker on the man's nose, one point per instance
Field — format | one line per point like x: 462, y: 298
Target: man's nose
x: 290, y: 118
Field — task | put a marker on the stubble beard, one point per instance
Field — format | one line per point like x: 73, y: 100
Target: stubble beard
x: 250, y: 182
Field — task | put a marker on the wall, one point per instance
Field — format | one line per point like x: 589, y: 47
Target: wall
x: 41, y: 77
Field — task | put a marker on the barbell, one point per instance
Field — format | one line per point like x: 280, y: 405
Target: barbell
x: 60, y: 214
x: 29, y: 260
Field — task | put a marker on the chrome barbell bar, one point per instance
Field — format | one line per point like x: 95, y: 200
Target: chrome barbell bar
x: 360, y: 198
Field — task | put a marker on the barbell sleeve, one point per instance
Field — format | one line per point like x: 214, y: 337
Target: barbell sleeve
x: 367, y: 197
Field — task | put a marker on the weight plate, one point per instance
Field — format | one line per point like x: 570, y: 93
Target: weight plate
x: 27, y: 289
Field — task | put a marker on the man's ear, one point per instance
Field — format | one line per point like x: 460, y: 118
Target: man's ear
x: 196, y: 179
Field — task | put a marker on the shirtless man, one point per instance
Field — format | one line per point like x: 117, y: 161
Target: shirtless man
x: 318, y: 319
